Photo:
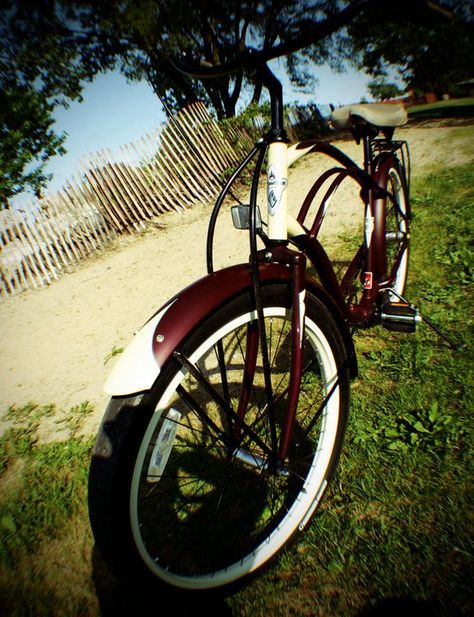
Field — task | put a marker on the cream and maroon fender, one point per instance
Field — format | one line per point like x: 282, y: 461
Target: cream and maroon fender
x: 139, y: 365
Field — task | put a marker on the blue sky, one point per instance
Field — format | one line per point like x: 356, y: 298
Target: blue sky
x: 114, y: 112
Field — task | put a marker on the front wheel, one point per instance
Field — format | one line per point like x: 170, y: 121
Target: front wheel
x: 179, y: 489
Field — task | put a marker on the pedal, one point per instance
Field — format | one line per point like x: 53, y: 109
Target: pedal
x: 400, y: 316
x: 404, y: 317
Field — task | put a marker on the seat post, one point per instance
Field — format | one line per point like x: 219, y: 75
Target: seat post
x: 367, y: 154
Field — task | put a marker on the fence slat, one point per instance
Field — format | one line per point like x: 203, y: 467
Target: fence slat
x: 207, y: 134
x: 154, y: 178
x: 201, y: 142
x: 125, y: 187
x: 168, y: 174
x: 90, y: 221
x: 144, y: 193
x: 195, y: 164
x: 104, y: 198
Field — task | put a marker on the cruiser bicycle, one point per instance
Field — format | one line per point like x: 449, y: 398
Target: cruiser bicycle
x: 229, y: 406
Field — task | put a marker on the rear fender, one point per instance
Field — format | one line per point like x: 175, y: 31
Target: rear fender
x: 140, y: 364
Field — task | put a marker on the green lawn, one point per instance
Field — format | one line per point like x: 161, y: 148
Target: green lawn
x: 443, y: 109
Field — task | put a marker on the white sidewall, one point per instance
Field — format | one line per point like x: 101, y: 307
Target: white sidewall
x: 400, y: 279
x: 309, y: 496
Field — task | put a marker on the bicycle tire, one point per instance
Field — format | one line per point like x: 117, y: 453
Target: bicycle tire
x: 397, y: 235
x: 190, y: 514
x: 397, y: 223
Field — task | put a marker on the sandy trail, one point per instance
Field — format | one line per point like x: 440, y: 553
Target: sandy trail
x: 54, y: 341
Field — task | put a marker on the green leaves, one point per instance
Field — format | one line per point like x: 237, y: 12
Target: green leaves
x: 44, y: 59
x: 27, y: 141
x: 382, y: 90
x: 429, y: 429
x: 432, y: 429
x: 431, y: 52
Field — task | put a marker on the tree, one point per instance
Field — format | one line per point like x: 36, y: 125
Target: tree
x: 48, y: 48
x: 26, y: 141
x: 44, y: 61
x: 431, y: 52
x: 382, y: 90
x: 146, y: 34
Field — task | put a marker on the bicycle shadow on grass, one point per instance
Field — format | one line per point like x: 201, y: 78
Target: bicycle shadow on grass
x: 134, y: 594
x: 119, y: 598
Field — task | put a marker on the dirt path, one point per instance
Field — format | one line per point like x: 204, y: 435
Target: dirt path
x: 54, y: 342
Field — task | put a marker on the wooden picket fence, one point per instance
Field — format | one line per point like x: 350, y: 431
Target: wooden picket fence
x: 172, y: 168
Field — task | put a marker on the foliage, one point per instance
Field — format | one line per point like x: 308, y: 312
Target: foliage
x: 432, y: 53
x: 48, y: 49
x: 382, y: 90
x: 450, y: 108
x: 147, y: 35
x: 254, y: 119
x: 43, y: 63
x: 27, y: 141
x: 305, y: 120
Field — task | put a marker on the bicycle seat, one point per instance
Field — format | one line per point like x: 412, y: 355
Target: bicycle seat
x: 380, y: 115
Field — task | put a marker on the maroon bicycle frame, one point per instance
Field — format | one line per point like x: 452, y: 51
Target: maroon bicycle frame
x: 373, y: 180
x: 372, y: 253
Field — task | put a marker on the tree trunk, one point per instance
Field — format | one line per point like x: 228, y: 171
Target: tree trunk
x: 257, y: 92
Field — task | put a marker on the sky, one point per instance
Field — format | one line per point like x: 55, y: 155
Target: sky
x: 114, y: 112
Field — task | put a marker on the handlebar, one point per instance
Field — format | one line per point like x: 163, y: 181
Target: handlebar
x: 252, y: 58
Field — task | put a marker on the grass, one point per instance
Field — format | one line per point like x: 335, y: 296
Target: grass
x: 463, y: 107
x: 394, y: 533
x: 46, y: 542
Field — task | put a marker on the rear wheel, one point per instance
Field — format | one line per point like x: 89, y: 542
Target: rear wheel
x: 397, y: 231
x: 397, y: 235
x: 189, y: 493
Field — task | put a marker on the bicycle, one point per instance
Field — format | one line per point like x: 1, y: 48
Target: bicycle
x: 227, y: 420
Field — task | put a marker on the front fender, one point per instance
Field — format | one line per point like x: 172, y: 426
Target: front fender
x: 139, y: 365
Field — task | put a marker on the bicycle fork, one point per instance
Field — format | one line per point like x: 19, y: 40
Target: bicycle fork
x: 298, y: 290
x: 257, y: 338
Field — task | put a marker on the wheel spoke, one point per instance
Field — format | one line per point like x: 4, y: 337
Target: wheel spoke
x: 221, y: 402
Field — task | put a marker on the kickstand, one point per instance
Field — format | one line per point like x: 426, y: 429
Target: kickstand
x: 435, y: 328
x: 429, y: 323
